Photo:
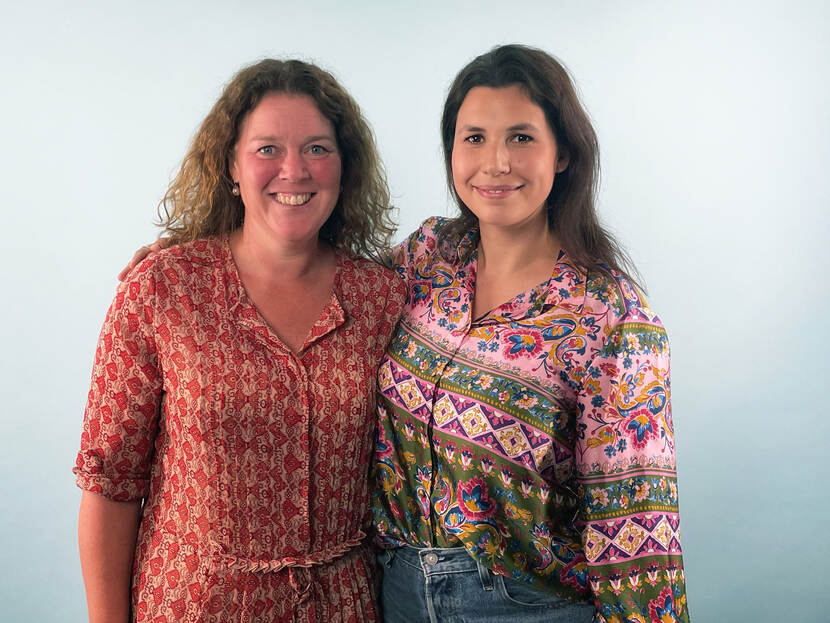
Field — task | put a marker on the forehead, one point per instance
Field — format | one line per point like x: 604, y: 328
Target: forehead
x: 286, y: 114
x: 488, y: 106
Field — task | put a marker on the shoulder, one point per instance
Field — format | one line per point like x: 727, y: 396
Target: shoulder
x: 361, y: 267
x: 614, y: 293
x: 435, y: 239
x: 372, y: 294
x: 434, y: 231
x: 201, y: 252
x: 437, y: 226
x: 370, y: 276
x: 177, y: 270
x: 184, y: 259
x: 630, y: 325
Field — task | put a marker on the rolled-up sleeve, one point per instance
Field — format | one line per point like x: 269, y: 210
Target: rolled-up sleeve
x: 122, y: 409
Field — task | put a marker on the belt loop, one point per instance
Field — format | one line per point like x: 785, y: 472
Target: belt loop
x: 485, y: 576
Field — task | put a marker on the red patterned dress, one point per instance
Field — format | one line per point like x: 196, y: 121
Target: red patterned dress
x: 252, y: 460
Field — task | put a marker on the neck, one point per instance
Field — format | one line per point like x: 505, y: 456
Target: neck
x: 274, y: 260
x: 515, y: 250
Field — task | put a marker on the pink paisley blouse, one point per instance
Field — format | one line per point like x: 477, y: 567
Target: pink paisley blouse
x: 539, y: 436
x: 251, y: 460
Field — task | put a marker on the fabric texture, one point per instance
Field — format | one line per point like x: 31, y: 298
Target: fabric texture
x: 253, y: 460
x: 435, y: 585
x: 539, y: 437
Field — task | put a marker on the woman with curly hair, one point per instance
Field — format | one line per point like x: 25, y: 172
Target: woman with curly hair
x: 228, y: 429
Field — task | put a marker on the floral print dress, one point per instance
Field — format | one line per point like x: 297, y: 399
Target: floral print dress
x: 252, y: 460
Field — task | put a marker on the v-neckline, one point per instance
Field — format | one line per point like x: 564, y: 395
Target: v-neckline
x: 247, y: 313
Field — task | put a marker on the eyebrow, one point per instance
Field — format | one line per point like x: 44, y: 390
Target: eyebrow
x: 309, y: 139
x: 522, y: 126
x: 513, y: 128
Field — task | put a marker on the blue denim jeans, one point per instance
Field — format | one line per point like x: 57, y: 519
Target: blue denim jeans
x: 435, y: 585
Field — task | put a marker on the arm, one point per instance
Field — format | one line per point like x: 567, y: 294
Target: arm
x: 628, y: 477
x: 120, y: 426
x: 107, y: 533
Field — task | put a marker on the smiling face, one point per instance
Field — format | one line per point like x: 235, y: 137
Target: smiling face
x: 288, y: 167
x: 504, y: 158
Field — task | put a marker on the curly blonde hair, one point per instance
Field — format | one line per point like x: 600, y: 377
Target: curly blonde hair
x: 199, y: 202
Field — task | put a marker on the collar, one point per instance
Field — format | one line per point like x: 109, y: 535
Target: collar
x: 564, y: 289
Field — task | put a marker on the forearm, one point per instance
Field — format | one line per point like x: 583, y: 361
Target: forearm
x: 107, y: 532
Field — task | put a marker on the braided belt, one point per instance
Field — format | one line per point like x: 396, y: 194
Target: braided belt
x: 304, y: 560
x: 297, y: 566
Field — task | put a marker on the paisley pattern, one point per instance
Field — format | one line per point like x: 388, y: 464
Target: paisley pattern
x: 252, y: 459
x: 539, y: 437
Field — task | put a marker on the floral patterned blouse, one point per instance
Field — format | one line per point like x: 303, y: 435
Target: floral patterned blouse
x: 539, y: 436
x: 252, y: 460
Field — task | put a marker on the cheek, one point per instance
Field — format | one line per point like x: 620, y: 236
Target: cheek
x: 258, y: 171
x: 327, y: 172
x: 460, y: 172
x: 539, y: 170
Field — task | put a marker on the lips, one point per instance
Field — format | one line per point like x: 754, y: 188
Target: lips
x: 293, y: 199
x: 496, y: 192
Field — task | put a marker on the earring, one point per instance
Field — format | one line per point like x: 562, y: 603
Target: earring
x: 235, y: 189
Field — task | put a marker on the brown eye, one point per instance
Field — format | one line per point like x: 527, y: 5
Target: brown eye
x: 521, y: 138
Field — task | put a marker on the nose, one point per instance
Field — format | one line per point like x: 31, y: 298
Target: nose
x: 496, y: 159
x: 293, y: 167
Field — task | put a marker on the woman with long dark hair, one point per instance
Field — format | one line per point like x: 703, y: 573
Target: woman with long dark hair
x: 524, y: 466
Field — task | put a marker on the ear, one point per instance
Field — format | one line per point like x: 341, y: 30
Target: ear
x: 232, y: 168
x: 562, y: 162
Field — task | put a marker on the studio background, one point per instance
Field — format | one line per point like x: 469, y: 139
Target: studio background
x: 714, y: 133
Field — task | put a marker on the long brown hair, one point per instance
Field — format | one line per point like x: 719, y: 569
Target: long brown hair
x: 199, y: 202
x: 571, y: 204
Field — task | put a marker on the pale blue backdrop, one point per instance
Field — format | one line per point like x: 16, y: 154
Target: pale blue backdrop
x: 715, y: 135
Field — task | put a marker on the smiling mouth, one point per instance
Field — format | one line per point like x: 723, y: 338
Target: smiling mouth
x: 293, y: 199
x: 496, y: 191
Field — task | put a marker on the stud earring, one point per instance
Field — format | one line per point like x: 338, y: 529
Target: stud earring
x: 235, y: 189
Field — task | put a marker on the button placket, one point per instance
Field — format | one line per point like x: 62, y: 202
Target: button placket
x: 464, y: 282
x: 302, y: 374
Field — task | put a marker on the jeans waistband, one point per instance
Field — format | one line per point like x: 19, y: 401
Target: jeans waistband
x: 438, y: 560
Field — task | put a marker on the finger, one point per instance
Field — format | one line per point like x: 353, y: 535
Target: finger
x: 137, y: 257
x: 144, y: 251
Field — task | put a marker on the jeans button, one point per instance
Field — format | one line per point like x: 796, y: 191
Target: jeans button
x: 431, y: 558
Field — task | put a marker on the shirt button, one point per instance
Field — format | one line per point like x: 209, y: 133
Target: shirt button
x: 431, y: 559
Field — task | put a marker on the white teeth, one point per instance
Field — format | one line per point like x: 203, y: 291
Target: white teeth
x: 495, y: 191
x: 293, y: 199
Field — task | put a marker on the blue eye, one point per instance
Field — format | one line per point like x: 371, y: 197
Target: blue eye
x: 267, y: 150
x: 318, y: 150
